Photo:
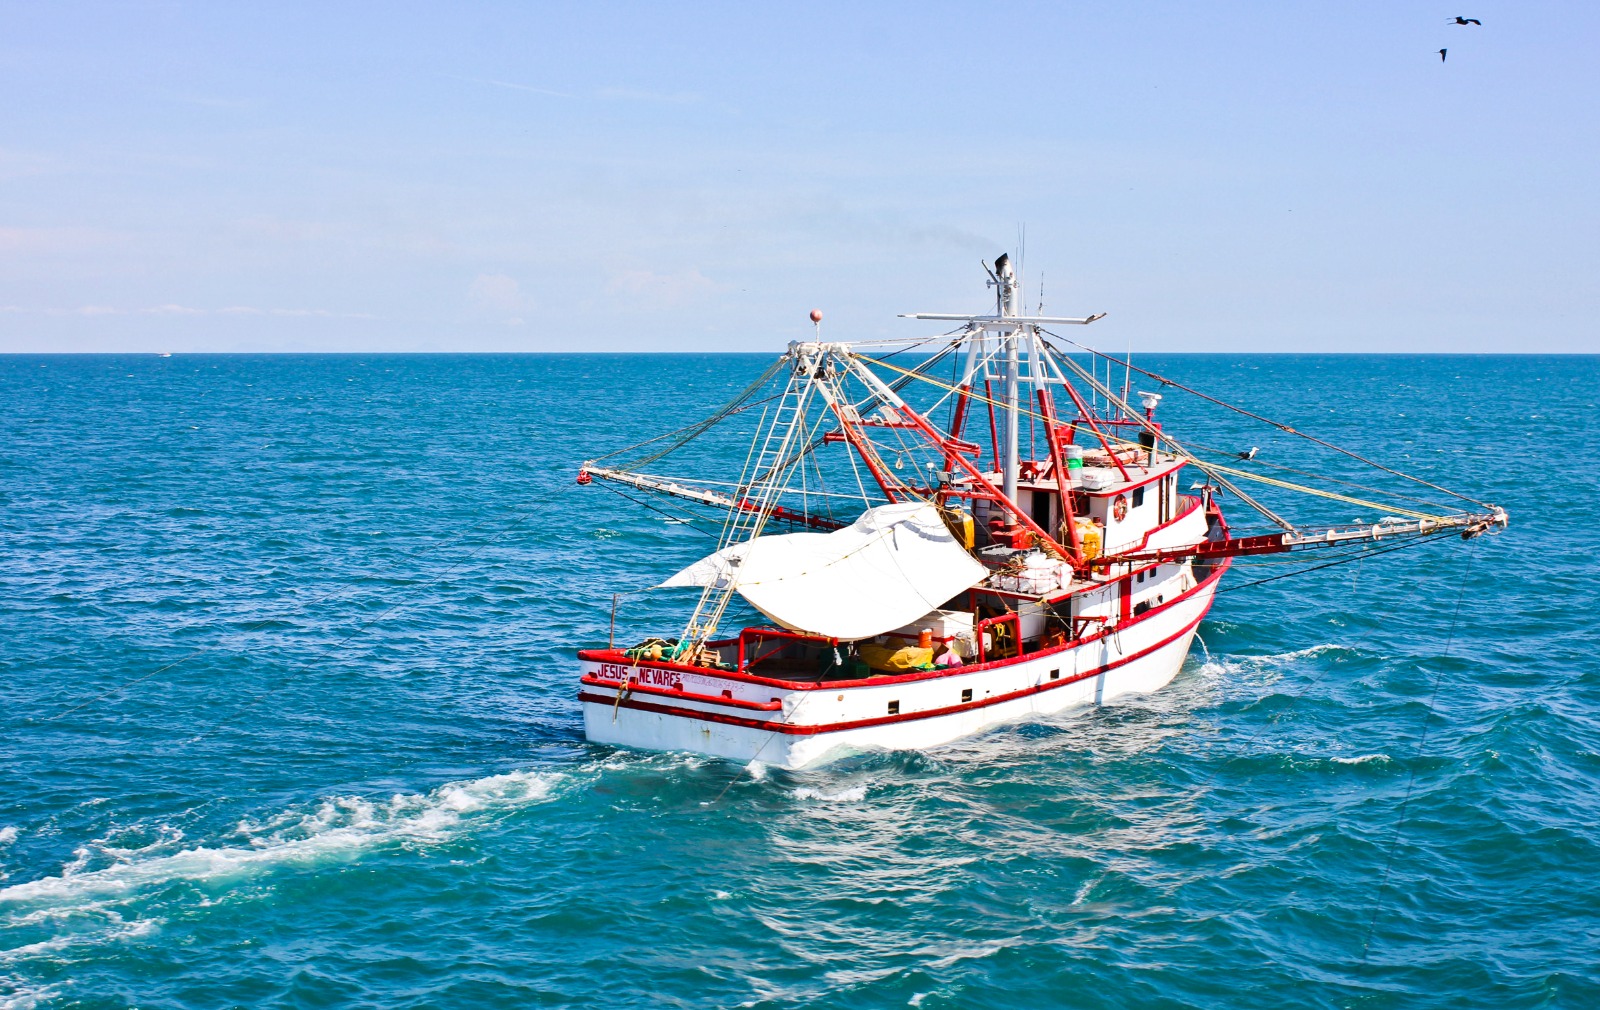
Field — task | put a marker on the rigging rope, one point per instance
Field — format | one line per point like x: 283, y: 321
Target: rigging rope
x: 734, y: 406
x: 1268, y: 421
x: 1411, y: 780
x: 1330, y: 564
x: 1111, y: 398
x: 691, y: 523
x: 1203, y: 465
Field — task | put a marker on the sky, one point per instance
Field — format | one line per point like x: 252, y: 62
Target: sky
x: 1225, y: 176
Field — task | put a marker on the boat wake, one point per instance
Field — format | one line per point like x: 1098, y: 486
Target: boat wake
x: 16, y: 994
x: 81, y: 905
x: 852, y: 794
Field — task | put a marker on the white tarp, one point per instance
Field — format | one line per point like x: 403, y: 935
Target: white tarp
x: 883, y: 571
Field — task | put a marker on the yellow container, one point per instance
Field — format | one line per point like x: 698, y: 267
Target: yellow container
x: 1089, y: 536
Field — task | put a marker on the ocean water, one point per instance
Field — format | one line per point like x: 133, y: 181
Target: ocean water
x: 288, y: 719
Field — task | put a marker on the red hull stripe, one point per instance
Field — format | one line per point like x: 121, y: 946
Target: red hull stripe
x: 661, y: 692
x: 803, y: 730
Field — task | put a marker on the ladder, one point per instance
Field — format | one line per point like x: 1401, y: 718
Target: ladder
x: 756, y: 500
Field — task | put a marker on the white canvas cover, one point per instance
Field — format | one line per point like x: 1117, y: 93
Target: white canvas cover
x: 883, y: 571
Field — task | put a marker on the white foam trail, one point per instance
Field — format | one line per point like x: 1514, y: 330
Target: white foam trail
x: 55, y: 944
x: 15, y: 995
x: 8, y: 834
x: 1285, y: 657
x: 339, y: 828
x: 853, y: 795
x: 1363, y: 759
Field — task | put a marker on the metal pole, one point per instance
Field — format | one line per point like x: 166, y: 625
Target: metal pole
x: 1013, y: 442
x: 611, y: 640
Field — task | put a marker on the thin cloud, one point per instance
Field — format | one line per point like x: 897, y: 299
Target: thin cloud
x: 511, y: 85
x: 603, y: 94
x: 648, y: 287
x: 499, y: 296
x: 635, y: 95
x: 184, y: 310
x: 205, y: 101
x: 247, y: 310
x: 54, y: 240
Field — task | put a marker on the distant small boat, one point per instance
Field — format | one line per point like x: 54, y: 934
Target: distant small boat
x: 969, y: 592
x: 164, y: 354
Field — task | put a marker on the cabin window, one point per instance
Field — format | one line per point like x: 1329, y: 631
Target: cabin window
x: 894, y: 708
x: 1138, y: 497
x: 1140, y: 576
x: 1055, y: 674
x: 966, y: 694
x: 1139, y: 608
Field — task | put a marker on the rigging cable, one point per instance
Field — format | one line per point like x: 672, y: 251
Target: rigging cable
x: 1411, y: 780
x: 734, y: 406
x: 1268, y: 421
x: 1330, y: 564
x: 1201, y: 464
x: 691, y: 523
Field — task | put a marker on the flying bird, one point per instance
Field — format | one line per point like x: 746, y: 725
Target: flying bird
x: 1441, y: 54
x: 1467, y: 21
x: 1251, y: 454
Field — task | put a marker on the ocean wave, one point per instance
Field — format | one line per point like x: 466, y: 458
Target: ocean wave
x: 854, y: 794
x: 1273, y: 659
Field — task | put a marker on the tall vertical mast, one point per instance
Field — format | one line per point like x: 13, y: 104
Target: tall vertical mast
x: 1011, y: 446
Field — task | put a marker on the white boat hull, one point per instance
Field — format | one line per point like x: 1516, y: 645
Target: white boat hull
x: 792, y: 725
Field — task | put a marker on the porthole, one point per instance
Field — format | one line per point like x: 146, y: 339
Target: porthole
x: 894, y: 708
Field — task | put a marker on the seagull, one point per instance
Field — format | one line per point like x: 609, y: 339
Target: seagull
x: 1251, y: 454
x: 1466, y: 21
x: 1441, y: 54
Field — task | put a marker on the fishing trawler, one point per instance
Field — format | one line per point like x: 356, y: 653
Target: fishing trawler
x: 1057, y: 563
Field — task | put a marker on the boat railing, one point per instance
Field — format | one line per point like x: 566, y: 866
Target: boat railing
x: 756, y: 635
x: 1014, y: 618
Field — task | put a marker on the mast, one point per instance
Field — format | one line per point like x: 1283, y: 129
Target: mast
x: 1010, y: 327
x: 1006, y: 297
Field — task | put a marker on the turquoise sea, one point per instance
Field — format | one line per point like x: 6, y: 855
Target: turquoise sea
x: 288, y: 719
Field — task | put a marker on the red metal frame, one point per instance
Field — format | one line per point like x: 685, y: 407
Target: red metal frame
x: 1015, y: 619
x: 778, y: 633
x: 1087, y: 417
x: 1063, y: 476
x: 995, y: 494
